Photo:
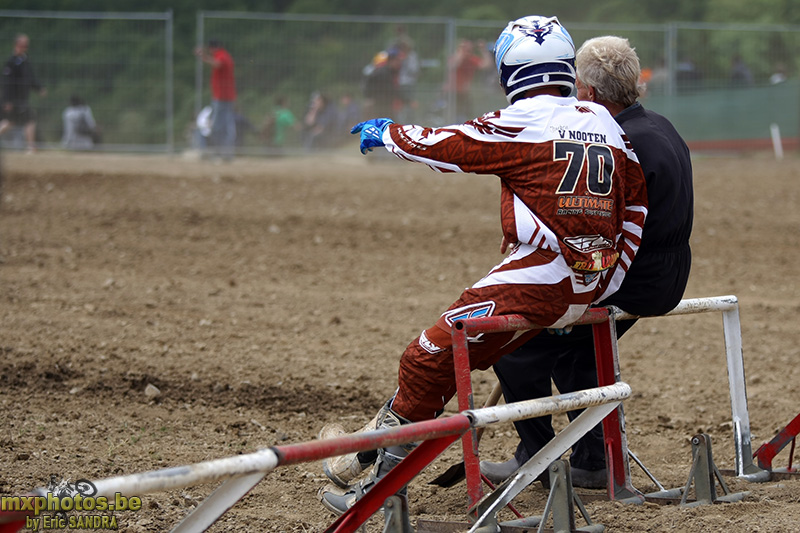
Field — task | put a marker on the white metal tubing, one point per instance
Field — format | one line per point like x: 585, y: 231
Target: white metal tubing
x: 537, y: 464
x: 223, y: 498
x: 185, y: 476
x: 691, y: 306
x: 549, y: 406
x: 250, y: 468
x: 732, y: 331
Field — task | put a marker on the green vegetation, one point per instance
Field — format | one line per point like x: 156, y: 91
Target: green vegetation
x: 119, y: 66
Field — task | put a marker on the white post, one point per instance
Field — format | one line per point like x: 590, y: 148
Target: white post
x: 732, y: 331
x: 741, y: 419
x: 777, y: 145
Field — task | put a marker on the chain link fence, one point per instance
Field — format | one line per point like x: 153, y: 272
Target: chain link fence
x: 120, y: 64
x: 717, y: 83
x: 721, y: 85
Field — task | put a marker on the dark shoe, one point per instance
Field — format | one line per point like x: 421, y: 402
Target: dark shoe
x: 339, y: 501
x: 589, y: 479
x: 499, y: 472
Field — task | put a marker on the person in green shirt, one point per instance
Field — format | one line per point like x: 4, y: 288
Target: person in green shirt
x: 279, y: 124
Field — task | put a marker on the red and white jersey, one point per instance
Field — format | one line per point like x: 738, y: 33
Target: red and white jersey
x: 571, y: 182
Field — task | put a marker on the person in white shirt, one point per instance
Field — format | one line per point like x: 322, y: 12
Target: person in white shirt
x: 79, y: 125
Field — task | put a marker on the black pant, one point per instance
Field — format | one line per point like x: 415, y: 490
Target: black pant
x: 525, y: 374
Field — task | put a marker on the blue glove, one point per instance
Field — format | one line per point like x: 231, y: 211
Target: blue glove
x: 560, y: 331
x: 371, y: 132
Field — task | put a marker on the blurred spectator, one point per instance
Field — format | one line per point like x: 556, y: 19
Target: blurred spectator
x: 348, y: 115
x: 18, y: 80
x: 659, y: 78
x: 687, y: 74
x: 740, y: 72
x: 243, y: 127
x: 279, y: 124
x: 80, y: 128
x: 380, y: 86
x: 645, y: 75
x: 407, y: 77
x: 202, y: 129
x: 223, y: 98
x: 462, y: 68
x: 319, y: 122
x: 779, y: 76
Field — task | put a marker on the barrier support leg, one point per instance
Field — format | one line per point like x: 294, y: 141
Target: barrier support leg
x: 218, y: 502
x: 767, y: 452
x: 560, y: 503
x: 616, y: 443
x: 703, y: 473
x: 390, y: 484
x: 487, y: 509
x: 469, y: 441
x: 741, y: 420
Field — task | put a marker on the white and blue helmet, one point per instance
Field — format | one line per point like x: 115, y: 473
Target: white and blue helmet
x: 535, y: 52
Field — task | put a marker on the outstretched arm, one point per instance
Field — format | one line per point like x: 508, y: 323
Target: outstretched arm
x: 205, y: 57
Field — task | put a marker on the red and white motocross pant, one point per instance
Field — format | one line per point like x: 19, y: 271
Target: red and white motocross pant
x: 531, y: 282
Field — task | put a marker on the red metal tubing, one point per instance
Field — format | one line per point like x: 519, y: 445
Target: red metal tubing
x: 463, y: 375
x: 390, y: 484
x: 495, y: 324
x: 619, y: 482
x: 460, y: 332
x: 371, y: 440
x: 12, y: 527
x: 767, y: 452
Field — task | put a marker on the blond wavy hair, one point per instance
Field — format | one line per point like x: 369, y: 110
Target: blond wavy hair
x: 611, y: 66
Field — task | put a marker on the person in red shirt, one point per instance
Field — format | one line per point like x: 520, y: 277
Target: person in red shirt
x: 463, y: 66
x: 223, y: 98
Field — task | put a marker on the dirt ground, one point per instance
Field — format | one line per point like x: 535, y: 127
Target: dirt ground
x: 267, y: 297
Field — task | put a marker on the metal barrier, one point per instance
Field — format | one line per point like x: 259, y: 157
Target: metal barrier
x: 120, y: 64
x: 732, y: 331
x: 604, y: 328
x: 243, y: 472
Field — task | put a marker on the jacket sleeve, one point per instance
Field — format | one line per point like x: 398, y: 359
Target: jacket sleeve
x: 471, y: 147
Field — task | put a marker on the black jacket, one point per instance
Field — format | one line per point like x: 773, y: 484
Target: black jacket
x: 18, y: 79
x: 655, y: 283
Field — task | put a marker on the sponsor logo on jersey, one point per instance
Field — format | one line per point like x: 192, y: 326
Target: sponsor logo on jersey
x: 585, y: 205
x: 587, y: 279
x: 427, y: 345
x: 478, y: 310
x: 485, y: 126
x: 597, y: 264
x: 588, y: 243
x: 591, y: 202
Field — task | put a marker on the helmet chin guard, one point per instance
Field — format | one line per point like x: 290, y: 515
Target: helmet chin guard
x: 534, y: 52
